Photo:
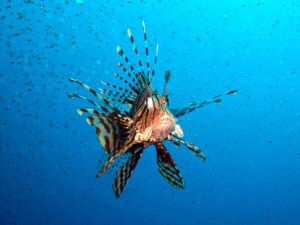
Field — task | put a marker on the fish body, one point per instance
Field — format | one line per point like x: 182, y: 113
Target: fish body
x: 146, y: 120
x: 153, y: 119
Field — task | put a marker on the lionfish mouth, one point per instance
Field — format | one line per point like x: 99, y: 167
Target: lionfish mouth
x: 166, y: 120
x: 163, y: 127
x: 167, y: 123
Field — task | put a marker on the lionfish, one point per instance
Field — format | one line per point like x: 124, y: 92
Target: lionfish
x: 146, y: 120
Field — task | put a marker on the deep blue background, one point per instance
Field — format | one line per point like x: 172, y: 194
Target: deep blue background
x: 49, y: 153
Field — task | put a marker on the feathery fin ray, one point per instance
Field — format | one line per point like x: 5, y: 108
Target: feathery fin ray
x: 125, y: 172
x: 192, y: 106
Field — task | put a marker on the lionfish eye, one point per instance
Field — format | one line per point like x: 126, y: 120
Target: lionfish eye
x: 149, y: 103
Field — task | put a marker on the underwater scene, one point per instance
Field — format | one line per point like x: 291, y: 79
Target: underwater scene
x: 150, y: 112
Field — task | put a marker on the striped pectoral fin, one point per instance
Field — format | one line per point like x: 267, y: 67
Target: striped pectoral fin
x: 125, y: 144
x: 106, y: 130
x: 125, y: 172
x: 167, y: 167
x: 91, y: 111
x: 86, y: 87
x: 99, y: 97
x: 104, y: 109
x: 115, y: 154
x: 192, y: 106
x: 189, y: 145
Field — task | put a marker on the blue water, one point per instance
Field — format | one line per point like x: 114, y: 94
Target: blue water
x: 49, y: 154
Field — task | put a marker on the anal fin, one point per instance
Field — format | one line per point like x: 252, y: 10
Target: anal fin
x: 167, y: 167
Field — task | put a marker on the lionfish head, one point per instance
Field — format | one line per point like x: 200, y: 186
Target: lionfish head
x: 163, y: 122
x: 162, y: 126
